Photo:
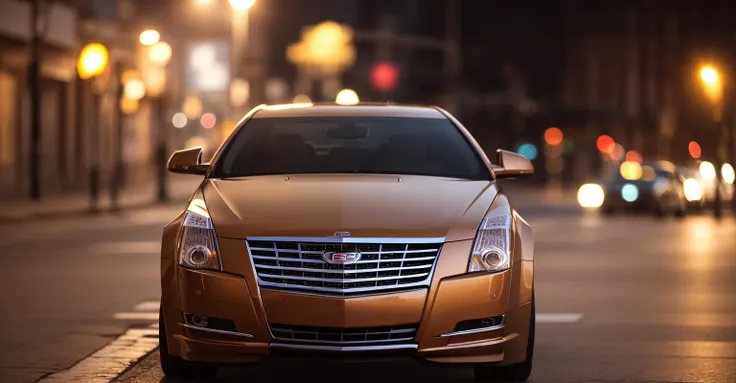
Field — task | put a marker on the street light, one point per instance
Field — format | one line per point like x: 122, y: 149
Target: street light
x: 242, y: 5
x: 709, y: 75
x: 92, y: 61
x: 160, y: 53
x: 149, y: 37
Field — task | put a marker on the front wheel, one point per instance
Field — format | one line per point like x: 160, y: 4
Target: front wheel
x: 178, y: 368
x: 519, y: 372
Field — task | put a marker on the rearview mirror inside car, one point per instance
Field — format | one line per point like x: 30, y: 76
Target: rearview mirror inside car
x: 187, y: 161
x: 509, y: 164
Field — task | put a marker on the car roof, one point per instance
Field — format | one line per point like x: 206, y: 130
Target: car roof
x: 335, y: 110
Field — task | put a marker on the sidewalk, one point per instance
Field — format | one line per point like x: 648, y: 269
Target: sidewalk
x: 181, y: 188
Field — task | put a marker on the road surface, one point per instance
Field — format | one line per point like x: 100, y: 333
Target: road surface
x: 622, y: 299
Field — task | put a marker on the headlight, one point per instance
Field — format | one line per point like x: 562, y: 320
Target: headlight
x: 198, y: 242
x: 693, y: 190
x: 591, y: 196
x: 492, y: 250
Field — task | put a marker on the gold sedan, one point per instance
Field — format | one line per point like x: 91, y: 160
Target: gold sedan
x: 364, y: 231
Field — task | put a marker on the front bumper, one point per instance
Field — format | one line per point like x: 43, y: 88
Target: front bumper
x: 452, y: 297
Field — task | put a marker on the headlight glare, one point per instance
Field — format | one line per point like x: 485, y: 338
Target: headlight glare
x: 491, y: 251
x: 198, y: 243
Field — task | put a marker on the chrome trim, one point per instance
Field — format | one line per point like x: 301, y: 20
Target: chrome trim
x: 346, y: 343
x: 478, y: 330
x: 336, y: 291
x: 212, y: 330
x: 312, y: 293
x: 347, y: 240
x: 388, y: 347
x: 354, y: 280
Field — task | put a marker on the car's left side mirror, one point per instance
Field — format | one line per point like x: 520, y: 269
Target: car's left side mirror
x: 187, y: 161
x: 510, y: 165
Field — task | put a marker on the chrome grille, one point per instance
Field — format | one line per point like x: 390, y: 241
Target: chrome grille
x: 334, y: 336
x: 382, y: 266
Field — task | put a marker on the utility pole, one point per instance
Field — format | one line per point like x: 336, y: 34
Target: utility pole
x: 116, y: 180
x: 34, y: 85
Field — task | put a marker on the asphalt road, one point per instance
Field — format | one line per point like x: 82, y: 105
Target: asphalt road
x: 622, y: 299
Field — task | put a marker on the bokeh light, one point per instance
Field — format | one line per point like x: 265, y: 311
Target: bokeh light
x: 528, y: 150
x: 149, y: 37
x: 208, y: 120
x: 134, y: 89
x: 605, y: 144
x: 630, y: 193
x: 633, y: 156
x: 707, y: 171
x: 617, y: 154
x: 553, y: 136
x: 179, y: 120
x: 242, y: 5
x: 727, y: 173
x: 302, y: 99
x: 694, y: 149
x: 347, y: 97
x: 92, y: 60
x: 591, y: 196
x: 631, y: 170
x: 693, y: 190
x: 648, y: 174
x: 160, y: 53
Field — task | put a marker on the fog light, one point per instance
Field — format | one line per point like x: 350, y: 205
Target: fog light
x: 199, y: 320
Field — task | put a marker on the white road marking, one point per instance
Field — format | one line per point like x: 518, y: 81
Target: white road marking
x: 141, y: 247
x: 148, y: 306
x: 137, y: 316
x: 559, y: 318
x: 110, y: 361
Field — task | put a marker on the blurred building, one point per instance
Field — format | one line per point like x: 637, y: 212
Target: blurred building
x: 60, y: 143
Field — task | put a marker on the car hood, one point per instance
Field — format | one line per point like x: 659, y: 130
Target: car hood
x: 376, y: 206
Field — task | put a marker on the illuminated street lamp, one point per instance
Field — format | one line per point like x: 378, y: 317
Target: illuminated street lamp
x: 92, y: 61
x: 242, y: 5
x: 149, y: 37
x: 713, y: 88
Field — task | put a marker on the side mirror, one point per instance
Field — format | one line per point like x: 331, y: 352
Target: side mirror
x: 512, y: 165
x: 187, y: 161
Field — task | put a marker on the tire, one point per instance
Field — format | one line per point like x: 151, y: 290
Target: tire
x: 178, y: 368
x: 519, y: 372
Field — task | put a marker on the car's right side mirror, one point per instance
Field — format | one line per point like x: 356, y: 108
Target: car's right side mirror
x: 187, y: 161
x: 510, y: 165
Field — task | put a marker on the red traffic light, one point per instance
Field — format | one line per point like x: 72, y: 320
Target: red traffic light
x: 384, y: 76
x: 606, y: 144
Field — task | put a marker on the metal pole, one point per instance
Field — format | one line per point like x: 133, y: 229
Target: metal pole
x: 34, y: 83
x: 117, y: 172
x: 94, y: 147
x: 161, y: 150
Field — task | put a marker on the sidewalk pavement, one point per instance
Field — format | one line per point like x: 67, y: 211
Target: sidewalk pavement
x: 181, y: 188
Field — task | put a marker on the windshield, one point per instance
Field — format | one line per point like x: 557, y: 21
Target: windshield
x: 378, y: 145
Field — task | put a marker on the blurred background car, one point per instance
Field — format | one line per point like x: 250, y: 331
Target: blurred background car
x: 656, y: 187
x: 704, y: 175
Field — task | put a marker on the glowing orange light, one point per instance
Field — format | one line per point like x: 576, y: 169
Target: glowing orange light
x: 694, y: 149
x: 553, y: 136
x: 606, y: 144
x: 633, y: 156
x: 618, y: 152
x: 208, y: 120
